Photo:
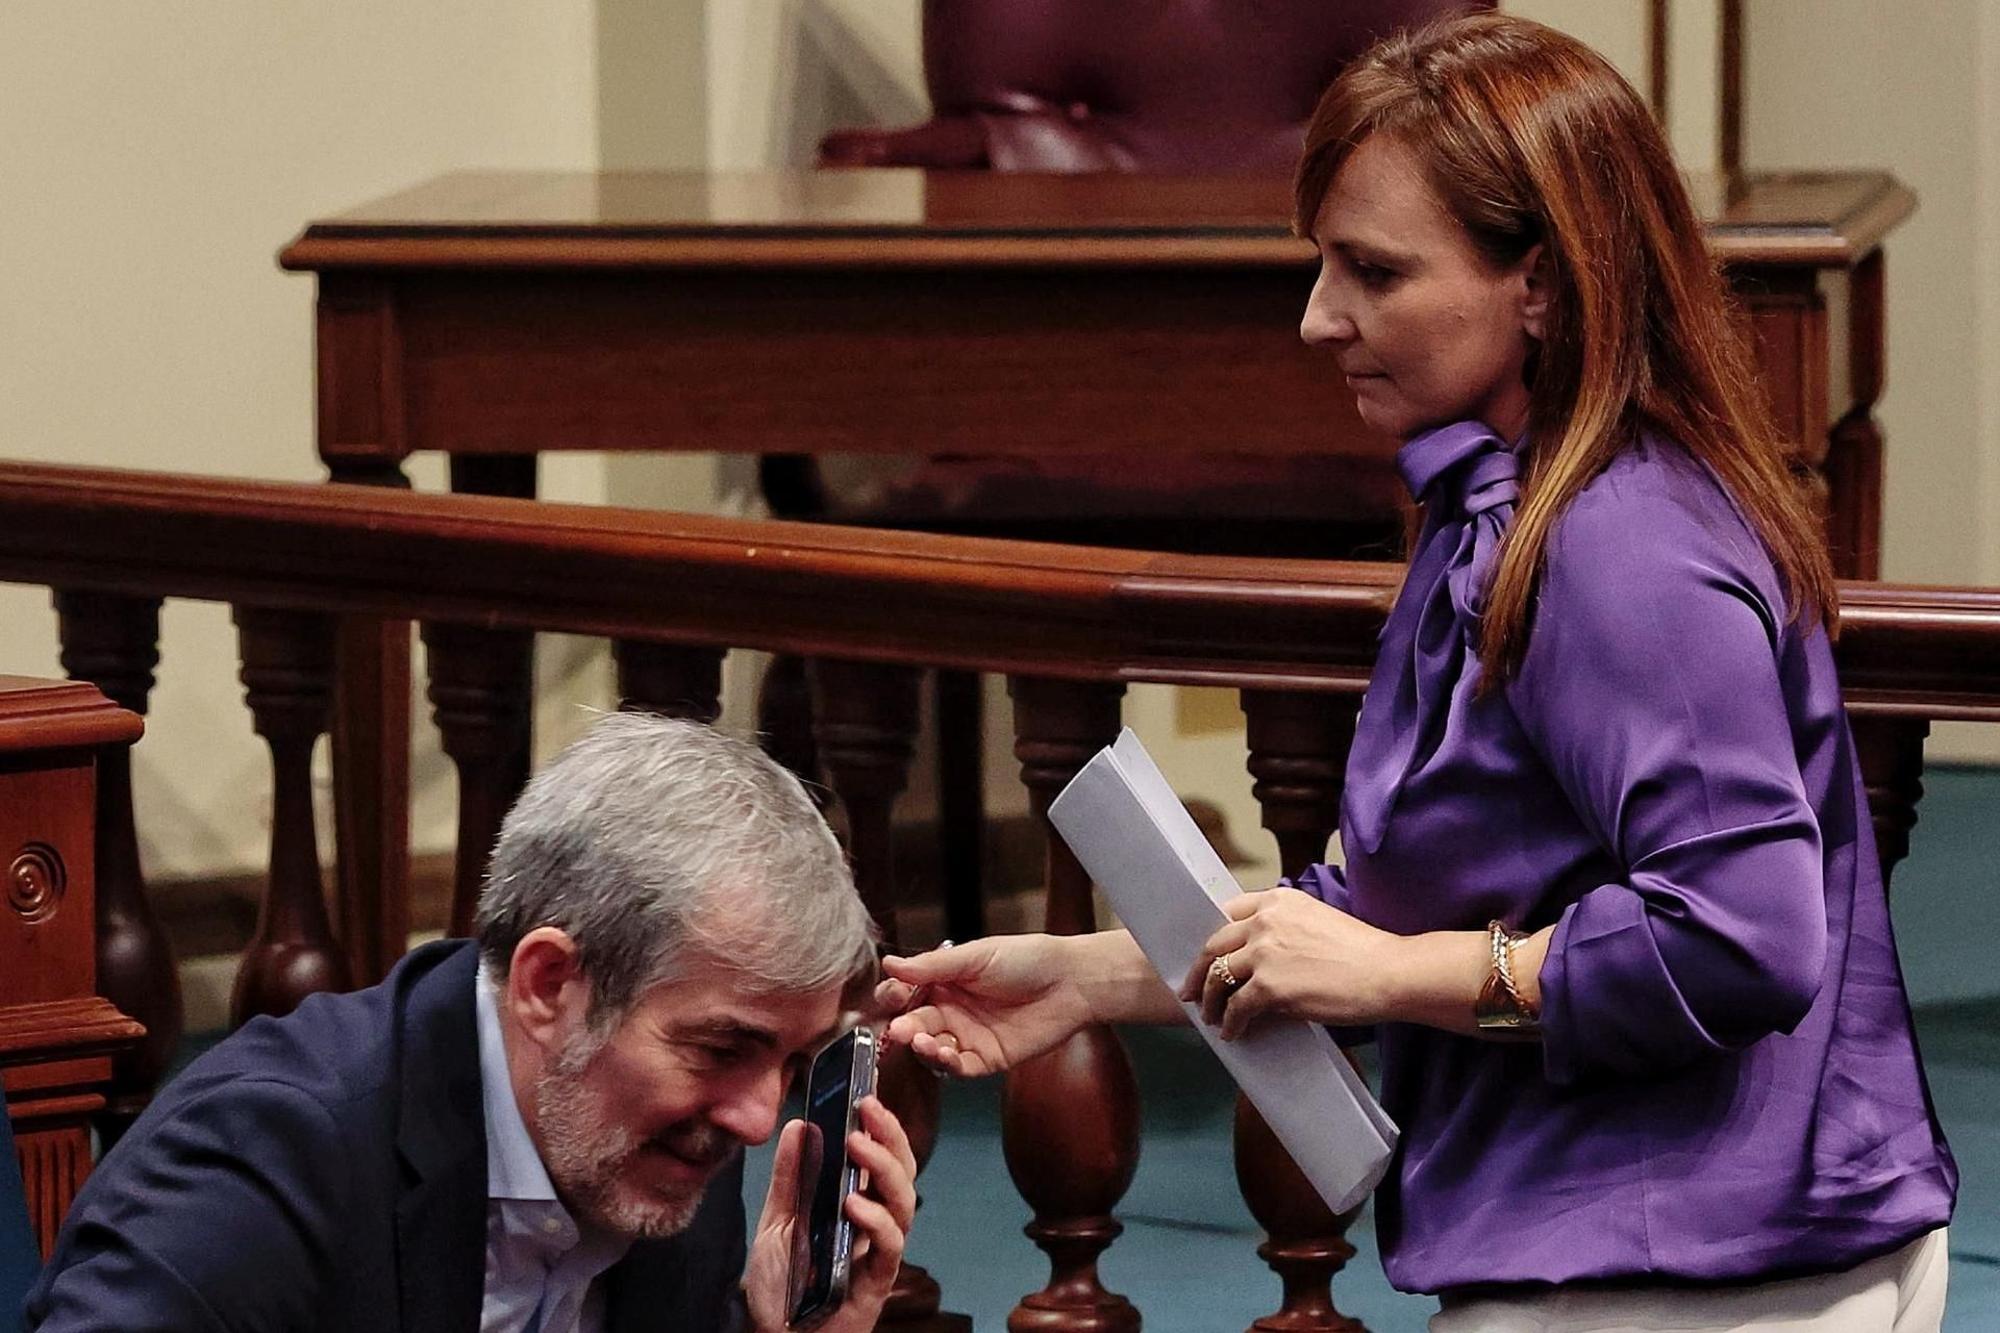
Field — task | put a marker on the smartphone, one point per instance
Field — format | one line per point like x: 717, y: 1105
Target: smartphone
x: 822, y: 1235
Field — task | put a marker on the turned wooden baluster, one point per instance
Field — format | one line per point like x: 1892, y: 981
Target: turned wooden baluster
x: 1891, y: 751
x: 481, y: 688
x: 113, y: 642
x: 785, y: 720
x: 288, y: 684
x: 1298, y: 758
x: 1070, y: 1118
x: 865, y: 727
x: 671, y: 679
x: 959, y: 720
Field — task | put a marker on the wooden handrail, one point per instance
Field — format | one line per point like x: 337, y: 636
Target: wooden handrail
x: 913, y: 598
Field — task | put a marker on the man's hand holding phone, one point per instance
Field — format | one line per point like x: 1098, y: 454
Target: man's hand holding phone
x: 879, y: 1211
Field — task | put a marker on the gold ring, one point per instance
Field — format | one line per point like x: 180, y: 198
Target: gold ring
x: 1219, y: 969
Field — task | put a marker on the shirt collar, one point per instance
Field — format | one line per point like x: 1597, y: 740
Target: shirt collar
x: 514, y: 1168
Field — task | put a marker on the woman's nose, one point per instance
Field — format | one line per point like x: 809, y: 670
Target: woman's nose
x: 1322, y: 322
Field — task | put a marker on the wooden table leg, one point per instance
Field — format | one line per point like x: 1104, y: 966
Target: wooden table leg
x: 1855, y: 447
x: 371, y: 792
x: 371, y: 774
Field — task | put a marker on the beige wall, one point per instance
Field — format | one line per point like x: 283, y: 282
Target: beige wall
x: 157, y: 156
x: 784, y: 72
x: 1921, y: 105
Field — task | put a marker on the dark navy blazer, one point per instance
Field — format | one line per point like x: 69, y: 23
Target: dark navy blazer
x: 327, y: 1171
x: 18, y: 1257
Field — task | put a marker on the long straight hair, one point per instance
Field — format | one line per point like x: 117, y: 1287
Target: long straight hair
x: 1529, y: 137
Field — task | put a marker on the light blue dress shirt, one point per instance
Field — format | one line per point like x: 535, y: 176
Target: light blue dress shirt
x: 541, y: 1268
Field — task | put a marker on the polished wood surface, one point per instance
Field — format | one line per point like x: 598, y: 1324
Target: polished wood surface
x: 49, y: 715
x: 890, y: 218
x: 57, y: 1036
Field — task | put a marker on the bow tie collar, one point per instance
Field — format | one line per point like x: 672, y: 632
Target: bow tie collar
x: 1468, y: 480
x: 1467, y: 465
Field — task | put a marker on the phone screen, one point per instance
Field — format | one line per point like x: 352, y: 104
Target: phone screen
x: 823, y: 1238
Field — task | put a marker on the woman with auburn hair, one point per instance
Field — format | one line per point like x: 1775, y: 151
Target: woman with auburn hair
x: 1610, y: 902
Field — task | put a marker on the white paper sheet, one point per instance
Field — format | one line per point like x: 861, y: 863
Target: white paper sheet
x: 1130, y: 831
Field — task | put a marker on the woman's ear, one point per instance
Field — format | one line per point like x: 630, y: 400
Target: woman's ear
x: 547, y: 993
x: 1537, y: 290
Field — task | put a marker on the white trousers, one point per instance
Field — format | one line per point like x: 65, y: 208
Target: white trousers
x: 1900, y: 1292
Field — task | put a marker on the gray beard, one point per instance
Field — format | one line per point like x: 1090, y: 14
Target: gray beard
x: 588, y: 1158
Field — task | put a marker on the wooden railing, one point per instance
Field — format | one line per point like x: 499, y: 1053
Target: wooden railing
x: 1069, y: 626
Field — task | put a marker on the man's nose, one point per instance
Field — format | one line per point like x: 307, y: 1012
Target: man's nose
x: 750, y: 1111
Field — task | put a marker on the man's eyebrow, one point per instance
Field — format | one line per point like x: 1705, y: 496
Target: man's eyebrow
x: 726, y: 1029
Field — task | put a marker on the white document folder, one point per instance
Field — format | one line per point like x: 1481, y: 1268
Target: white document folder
x: 1167, y: 884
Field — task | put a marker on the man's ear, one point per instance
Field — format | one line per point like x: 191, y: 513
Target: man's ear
x: 547, y: 994
x: 1537, y: 290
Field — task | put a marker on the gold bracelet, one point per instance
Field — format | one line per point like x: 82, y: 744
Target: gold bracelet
x: 1500, y: 1010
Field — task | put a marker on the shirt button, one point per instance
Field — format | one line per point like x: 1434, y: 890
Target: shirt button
x: 551, y: 1225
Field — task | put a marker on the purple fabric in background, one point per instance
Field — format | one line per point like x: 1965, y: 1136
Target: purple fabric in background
x: 1728, y: 1086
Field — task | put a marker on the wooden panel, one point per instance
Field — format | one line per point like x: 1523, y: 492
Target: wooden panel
x: 1789, y: 326
x: 360, y: 371
x: 931, y: 362
x: 56, y: 1036
x: 54, y: 1162
x: 47, y: 929
x: 889, y: 218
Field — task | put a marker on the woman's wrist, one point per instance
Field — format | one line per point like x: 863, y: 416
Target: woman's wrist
x: 1435, y: 978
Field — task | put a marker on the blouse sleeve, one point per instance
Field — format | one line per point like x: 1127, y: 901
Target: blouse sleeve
x: 1324, y: 882
x: 1651, y: 689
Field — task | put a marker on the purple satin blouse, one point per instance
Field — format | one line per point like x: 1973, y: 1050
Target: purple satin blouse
x: 1728, y: 1086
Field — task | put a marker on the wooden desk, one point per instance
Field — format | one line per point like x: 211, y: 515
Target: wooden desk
x: 494, y: 316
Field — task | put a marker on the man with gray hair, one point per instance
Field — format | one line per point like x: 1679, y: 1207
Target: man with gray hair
x: 542, y: 1132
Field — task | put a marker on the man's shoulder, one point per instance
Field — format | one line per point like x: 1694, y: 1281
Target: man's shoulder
x: 274, y: 1162
x: 341, y: 1053
x: 340, y: 1049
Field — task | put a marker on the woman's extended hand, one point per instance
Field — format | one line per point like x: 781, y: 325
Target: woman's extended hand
x: 1292, y: 954
x: 987, y: 1005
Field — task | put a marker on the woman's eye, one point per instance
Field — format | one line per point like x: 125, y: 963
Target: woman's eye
x: 1373, y: 275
